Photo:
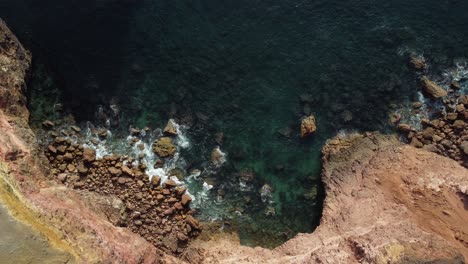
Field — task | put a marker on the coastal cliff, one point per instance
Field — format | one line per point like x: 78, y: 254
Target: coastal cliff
x: 386, y: 202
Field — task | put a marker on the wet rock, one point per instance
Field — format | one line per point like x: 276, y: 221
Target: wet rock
x: 102, y: 133
x: 171, y: 128
x: 405, y: 128
x: 48, y: 124
x: 432, y: 88
x: 217, y: 156
x: 417, y: 105
x: 76, y: 129
x: 417, y: 63
x: 181, y: 190
x: 178, y: 173
x: 170, y: 183
x: 155, y: 180
x: 89, y: 155
x: 455, y: 85
x: 186, y: 199
x: 164, y: 147
x: 308, y: 126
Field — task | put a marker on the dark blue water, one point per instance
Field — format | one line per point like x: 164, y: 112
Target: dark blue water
x: 239, y: 67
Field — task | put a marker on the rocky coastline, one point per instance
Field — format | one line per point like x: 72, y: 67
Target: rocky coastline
x: 380, y: 195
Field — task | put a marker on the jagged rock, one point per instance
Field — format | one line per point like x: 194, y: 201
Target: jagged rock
x: 164, y: 147
x: 308, y: 126
x: 432, y: 88
x: 171, y: 128
x: 89, y: 155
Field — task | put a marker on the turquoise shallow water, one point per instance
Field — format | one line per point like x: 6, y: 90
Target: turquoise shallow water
x: 239, y: 67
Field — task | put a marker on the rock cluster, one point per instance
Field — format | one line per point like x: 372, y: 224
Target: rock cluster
x: 446, y: 134
x: 160, y: 214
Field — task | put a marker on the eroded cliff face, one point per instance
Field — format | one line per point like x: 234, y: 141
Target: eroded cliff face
x: 75, y: 223
x: 386, y: 203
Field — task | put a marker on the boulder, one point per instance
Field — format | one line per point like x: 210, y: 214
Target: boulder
x: 186, y: 199
x: 170, y: 183
x: 459, y: 124
x: 405, y: 128
x: 155, y: 180
x: 432, y: 88
x: 114, y: 171
x: 164, y: 147
x: 89, y: 155
x: 171, y: 128
x: 308, y: 126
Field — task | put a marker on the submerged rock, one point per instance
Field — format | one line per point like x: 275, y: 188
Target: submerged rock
x: 417, y: 63
x: 308, y: 126
x: 164, y: 147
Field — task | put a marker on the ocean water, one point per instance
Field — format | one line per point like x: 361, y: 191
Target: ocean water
x: 247, y: 69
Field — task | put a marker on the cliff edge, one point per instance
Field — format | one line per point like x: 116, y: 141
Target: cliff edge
x: 386, y: 203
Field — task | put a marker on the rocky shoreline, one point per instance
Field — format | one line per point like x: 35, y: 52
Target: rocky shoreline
x: 159, y: 212
x: 445, y: 131
x: 380, y: 195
